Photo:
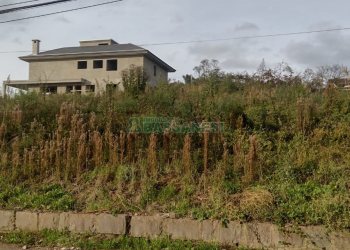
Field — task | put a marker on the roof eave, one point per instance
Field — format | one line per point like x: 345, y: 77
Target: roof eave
x: 156, y: 59
x: 31, y: 58
x: 143, y: 52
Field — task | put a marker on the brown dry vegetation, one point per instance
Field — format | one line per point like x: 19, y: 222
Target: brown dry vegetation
x: 282, y: 157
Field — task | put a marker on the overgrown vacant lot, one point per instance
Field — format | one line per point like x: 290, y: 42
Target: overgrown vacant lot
x: 283, y: 156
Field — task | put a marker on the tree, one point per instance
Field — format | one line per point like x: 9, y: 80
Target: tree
x: 311, y: 79
x: 264, y: 74
x: 188, y: 78
x: 207, y: 69
x: 262, y: 68
x: 283, y: 72
x: 330, y: 72
x: 134, y: 80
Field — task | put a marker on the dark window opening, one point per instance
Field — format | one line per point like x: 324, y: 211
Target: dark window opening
x: 98, y: 64
x: 77, y: 89
x: 154, y: 70
x: 49, y: 90
x: 102, y: 44
x: 112, y: 65
x: 82, y: 65
x: 69, y: 89
x: 90, y: 88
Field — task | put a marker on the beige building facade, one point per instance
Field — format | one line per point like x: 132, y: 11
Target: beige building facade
x: 94, y: 66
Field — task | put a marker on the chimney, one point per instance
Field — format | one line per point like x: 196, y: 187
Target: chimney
x: 36, y: 47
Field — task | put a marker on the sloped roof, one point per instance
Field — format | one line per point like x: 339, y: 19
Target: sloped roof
x: 92, y: 51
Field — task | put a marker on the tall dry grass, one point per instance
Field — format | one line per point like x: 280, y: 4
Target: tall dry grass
x: 152, y: 155
x: 186, y: 155
x: 251, y: 171
x: 78, y: 144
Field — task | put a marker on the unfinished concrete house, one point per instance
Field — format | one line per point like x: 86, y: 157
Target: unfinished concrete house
x: 94, y: 66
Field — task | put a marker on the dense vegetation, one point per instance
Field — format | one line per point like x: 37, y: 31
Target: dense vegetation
x: 283, y: 156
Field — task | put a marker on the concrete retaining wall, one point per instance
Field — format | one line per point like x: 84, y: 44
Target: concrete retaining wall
x: 253, y: 235
x: 7, y: 220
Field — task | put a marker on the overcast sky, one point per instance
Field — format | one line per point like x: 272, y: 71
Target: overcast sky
x: 157, y: 21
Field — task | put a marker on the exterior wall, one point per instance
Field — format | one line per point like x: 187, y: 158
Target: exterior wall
x: 34, y: 89
x: 161, y: 76
x: 67, y: 69
x: 61, y: 90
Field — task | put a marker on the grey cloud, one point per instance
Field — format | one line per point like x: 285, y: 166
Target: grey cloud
x: 246, y: 26
x: 62, y: 19
x: 172, y: 56
x: 210, y: 50
x: 265, y: 49
x: 241, y: 63
x: 320, y: 49
x: 324, y: 25
x: 235, y: 55
x: 22, y: 29
x: 145, y: 21
x: 17, y: 40
x: 177, y: 19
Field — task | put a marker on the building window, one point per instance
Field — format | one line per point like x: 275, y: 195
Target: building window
x: 69, y: 89
x: 49, y: 90
x: 98, y: 64
x: 154, y: 70
x: 73, y: 89
x: 90, y: 88
x: 77, y: 89
x: 82, y: 64
x: 112, y: 65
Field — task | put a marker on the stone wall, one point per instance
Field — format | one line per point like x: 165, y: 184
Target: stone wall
x: 252, y: 235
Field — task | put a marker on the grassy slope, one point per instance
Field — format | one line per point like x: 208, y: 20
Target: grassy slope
x: 301, y: 165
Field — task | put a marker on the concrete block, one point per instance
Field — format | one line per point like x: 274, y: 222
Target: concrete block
x: 27, y: 221
x: 7, y: 220
x: 249, y: 236
x: 208, y: 229
x: 49, y: 221
x: 236, y: 234
x: 63, y: 222
x: 317, y: 236
x: 268, y: 235
x: 146, y: 226
x: 229, y: 234
x: 81, y: 223
x: 109, y: 224
x: 291, y: 236
x: 183, y: 229
x: 339, y: 240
